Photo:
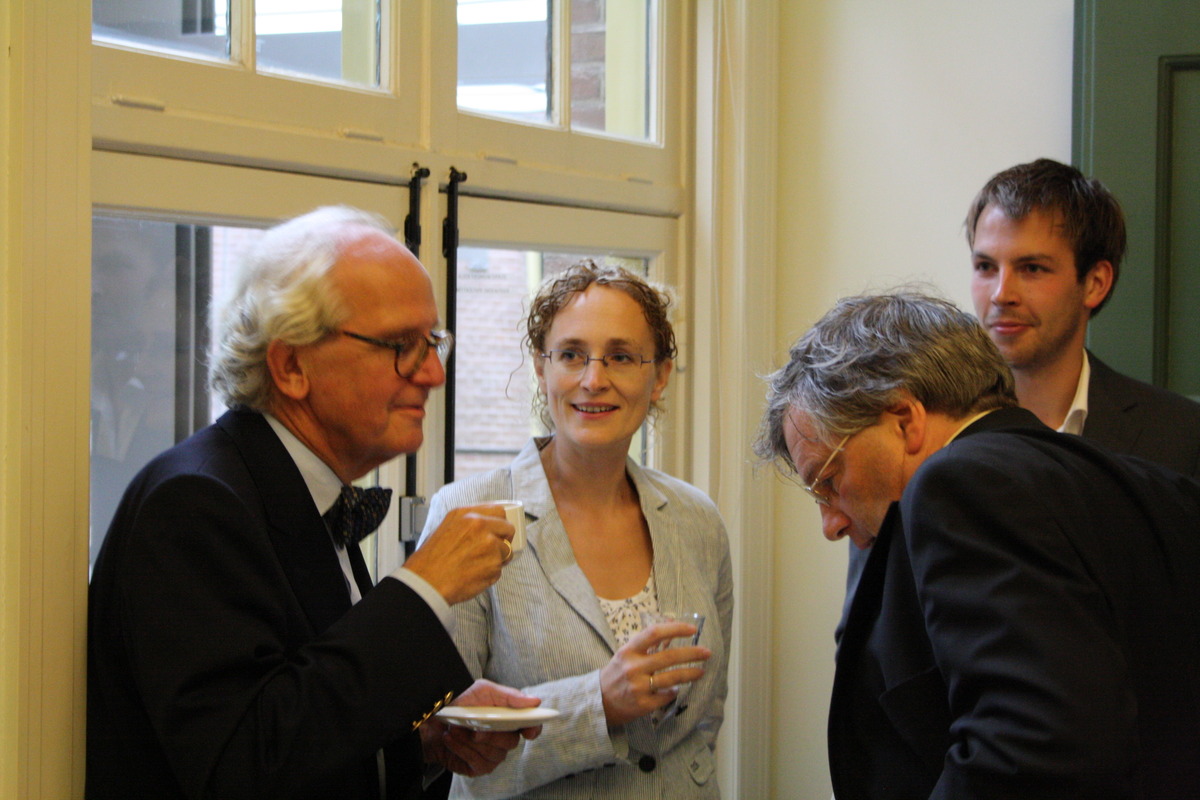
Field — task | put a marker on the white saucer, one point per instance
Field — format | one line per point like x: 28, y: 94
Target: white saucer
x: 495, y: 718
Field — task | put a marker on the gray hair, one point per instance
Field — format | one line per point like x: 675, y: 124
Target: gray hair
x: 867, y: 351
x: 282, y: 292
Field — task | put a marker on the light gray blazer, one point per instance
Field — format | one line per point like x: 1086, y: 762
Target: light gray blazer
x: 540, y: 628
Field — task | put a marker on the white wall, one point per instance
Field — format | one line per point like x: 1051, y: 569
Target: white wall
x: 891, y: 116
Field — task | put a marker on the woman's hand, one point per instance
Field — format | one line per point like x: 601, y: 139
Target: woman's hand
x: 641, y: 678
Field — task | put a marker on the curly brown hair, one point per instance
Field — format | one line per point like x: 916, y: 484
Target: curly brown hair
x: 559, y: 289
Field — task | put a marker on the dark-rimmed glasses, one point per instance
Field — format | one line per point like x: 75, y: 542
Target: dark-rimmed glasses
x: 576, y: 361
x: 412, y: 351
x: 824, y: 494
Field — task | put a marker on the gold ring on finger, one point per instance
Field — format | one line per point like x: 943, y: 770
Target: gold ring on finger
x: 509, y: 554
x: 652, y: 684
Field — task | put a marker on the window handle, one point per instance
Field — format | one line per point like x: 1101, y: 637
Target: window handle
x: 413, y: 513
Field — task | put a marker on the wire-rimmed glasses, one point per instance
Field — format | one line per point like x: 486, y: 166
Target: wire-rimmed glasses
x: 821, y: 488
x: 411, y: 351
x: 616, y: 363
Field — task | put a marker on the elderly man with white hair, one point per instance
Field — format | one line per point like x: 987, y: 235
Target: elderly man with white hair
x: 236, y: 644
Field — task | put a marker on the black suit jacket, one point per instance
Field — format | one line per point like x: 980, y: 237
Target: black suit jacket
x: 1027, y: 625
x: 1128, y: 416
x: 1124, y: 416
x: 224, y: 657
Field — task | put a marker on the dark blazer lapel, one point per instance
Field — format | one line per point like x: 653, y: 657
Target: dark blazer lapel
x: 864, y: 607
x: 884, y: 658
x: 1108, y: 402
x: 861, y: 616
x: 299, y: 535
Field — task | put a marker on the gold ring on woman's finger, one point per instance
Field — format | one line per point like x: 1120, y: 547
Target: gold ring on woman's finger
x: 652, y: 683
x: 508, y: 555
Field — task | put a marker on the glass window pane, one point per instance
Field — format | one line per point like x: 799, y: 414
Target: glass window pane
x: 187, y: 26
x: 494, y: 383
x: 152, y: 284
x: 612, y: 66
x: 504, y: 58
x: 336, y: 40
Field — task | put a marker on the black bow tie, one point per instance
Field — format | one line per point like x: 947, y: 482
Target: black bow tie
x: 357, y: 513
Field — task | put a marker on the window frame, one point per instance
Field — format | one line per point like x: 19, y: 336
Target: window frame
x: 658, y: 162
x: 192, y: 108
x: 197, y: 108
x: 159, y: 187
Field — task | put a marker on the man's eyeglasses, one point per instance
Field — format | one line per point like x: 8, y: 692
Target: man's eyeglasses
x: 411, y: 352
x: 576, y: 361
x: 821, y: 487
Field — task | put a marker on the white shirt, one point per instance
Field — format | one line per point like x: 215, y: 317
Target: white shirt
x: 325, y: 487
x: 1077, y: 415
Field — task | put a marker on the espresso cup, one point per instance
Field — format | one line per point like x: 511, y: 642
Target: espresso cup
x: 514, y: 512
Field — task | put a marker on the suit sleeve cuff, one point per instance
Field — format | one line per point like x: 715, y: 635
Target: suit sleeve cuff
x: 431, y: 596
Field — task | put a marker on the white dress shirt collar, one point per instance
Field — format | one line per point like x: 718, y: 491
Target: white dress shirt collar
x: 1077, y: 415
x: 323, y: 485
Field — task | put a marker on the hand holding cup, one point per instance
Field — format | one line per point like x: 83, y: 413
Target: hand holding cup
x: 696, y: 620
x: 467, y: 552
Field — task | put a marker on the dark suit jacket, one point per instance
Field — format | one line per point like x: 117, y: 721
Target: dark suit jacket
x: 1027, y: 625
x: 224, y: 657
x: 1128, y: 416
x: 1124, y: 416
